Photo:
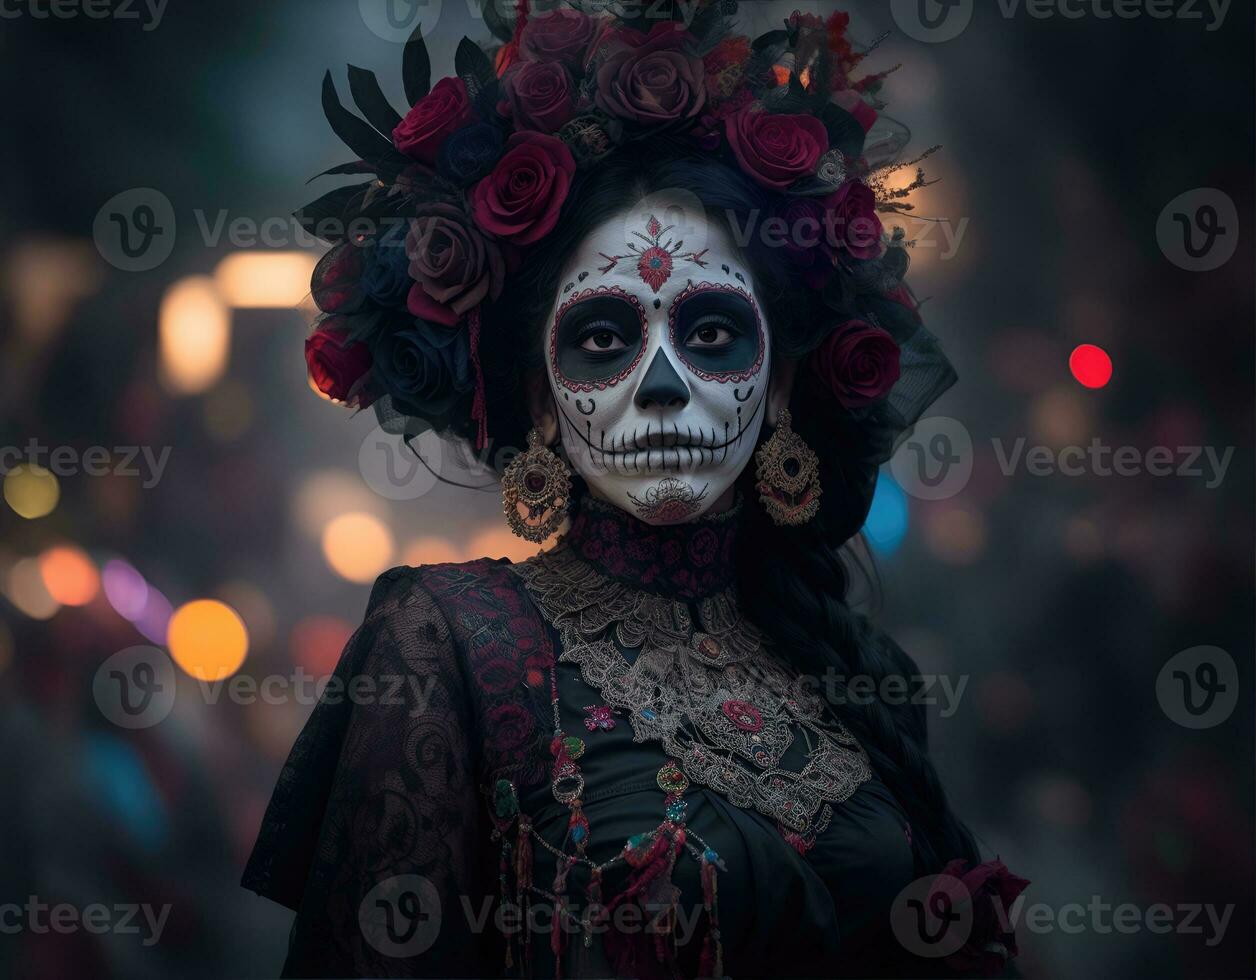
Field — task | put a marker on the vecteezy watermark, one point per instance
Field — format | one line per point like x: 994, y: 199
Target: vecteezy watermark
x: 97, y: 918
x: 301, y: 687
x: 936, y: 21
x: 145, y: 462
x: 135, y: 230
x: 1199, y: 687
x: 401, y: 916
x: 936, y: 460
x: 892, y: 689
x: 135, y: 688
x: 934, y: 917
x: 91, y: 9
x: 1199, y: 231
x: 1098, y: 459
x: 397, y: 471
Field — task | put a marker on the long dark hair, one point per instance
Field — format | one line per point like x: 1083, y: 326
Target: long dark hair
x: 801, y: 603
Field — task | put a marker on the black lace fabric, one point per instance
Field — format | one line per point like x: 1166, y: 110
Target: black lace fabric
x: 379, y: 786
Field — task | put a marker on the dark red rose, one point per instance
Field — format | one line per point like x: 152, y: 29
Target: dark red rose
x: 804, y: 237
x: 776, y: 149
x: 520, y: 200
x: 540, y: 96
x: 337, y: 365
x: 454, y: 267
x: 852, y: 220
x: 725, y: 66
x: 858, y: 362
x: 446, y: 108
x: 657, y: 81
x: 558, y: 35
x: 992, y: 889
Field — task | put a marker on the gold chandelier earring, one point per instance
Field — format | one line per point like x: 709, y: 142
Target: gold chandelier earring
x: 788, y: 474
x: 536, y: 491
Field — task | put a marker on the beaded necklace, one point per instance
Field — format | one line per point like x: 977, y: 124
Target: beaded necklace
x: 651, y: 856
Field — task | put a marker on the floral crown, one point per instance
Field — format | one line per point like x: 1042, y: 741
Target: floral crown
x: 481, y: 165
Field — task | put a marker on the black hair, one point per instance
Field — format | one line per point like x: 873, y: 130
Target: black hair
x: 800, y: 599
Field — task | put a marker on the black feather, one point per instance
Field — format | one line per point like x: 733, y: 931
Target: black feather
x: 371, y: 101
x: 357, y: 135
x: 416, y: 67
x: 325, y: 218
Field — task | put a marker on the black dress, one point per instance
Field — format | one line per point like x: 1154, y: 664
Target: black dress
x: 589, y: 765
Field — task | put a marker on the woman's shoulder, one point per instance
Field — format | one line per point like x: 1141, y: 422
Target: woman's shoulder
x: 449, y: 586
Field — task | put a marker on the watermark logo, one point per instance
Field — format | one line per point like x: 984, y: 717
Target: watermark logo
x: 936, y: 461
x: 393, y: 470
x: 395, y: 20
x: 932, y: 21
x: 135, y: 688
x: 148, y: 12
x: 98, y: 919
x: 1199, y: 231
x: 933, y: 916
x: 135, y: 231
x: 401, y: 916
x: 1199, y: 687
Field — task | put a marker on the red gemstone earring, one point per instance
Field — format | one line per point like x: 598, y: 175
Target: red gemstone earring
x: 536, y: 491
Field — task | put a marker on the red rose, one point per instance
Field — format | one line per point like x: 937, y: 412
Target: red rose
x: 454, y: 267
x: 992, y: 889
x: 653, y: 82
x: 776, y: 148
x: 858, y: 362
x: 520, y: 200
x: 337, y: 366
x: 725, y: 66
x: 540, y: 96
x: 446, y: 108
x: 852, y: 219
x: 560, y: 35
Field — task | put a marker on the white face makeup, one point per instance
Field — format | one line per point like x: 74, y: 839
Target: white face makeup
x: 658, y: 360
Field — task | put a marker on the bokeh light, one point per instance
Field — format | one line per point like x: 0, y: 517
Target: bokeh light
x: 69, y: 575
x: 125, y: 588
x: 498, y: 542
x: 430, y: 551
x: 24, y: 587
x: 208, y: 639
x: 195, y: 335
x: 1090, y: 365
x: 357, y: 546
x: 955, y: 535
x: 154, y: 620
x: 886, y: 525
x: 317, y: 641
x: 275, y: 280
x: 31, y: 491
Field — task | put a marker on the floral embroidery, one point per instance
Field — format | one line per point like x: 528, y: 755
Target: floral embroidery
x: 601, y: 717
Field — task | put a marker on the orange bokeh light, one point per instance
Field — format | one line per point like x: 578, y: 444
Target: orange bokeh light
x: 207, y: 639
x: 69, y: 575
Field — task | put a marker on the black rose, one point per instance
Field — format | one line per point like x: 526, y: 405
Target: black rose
x: 425, y: 367
x: 386, y: 277
x: 470, y: 153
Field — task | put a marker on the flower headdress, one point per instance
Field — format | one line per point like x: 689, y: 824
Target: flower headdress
x: 481, y: 165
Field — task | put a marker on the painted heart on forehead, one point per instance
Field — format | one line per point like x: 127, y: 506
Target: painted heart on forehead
x: 659, y: 360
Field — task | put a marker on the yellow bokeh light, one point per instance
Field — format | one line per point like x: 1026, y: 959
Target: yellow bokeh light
x: 357, y: 546
x: 69, y: 575
x: 207, y: 639
x: 25, y: 588
x: 195, y: 336
x: 430, y: 551
x: 265, y: 280
x: 31, y: 491
x: 498, y: 542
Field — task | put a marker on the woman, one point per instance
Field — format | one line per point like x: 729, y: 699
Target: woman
x: 643, y: 253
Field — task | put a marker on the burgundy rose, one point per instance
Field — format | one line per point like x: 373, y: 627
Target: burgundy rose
x: 858, y: 362
x: 852, y: 220
x: 992, y: 889
x: 454, y: 267
x: 725, y: 66
x: 446, y: 108
x: 520, y: 200
x: 337, y: 365
x: 658, y: 81
x: 559, y: 35
x: 776, y: 149
x: 540, y: 96
x: 804, y: 238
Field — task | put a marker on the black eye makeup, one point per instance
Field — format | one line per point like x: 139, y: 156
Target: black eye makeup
x: 717, y: 332
x: 598, y: 338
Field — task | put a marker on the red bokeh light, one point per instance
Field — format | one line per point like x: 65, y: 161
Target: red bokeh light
x: 1091, y: 365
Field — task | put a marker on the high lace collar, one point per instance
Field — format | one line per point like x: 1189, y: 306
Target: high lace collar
x: 682, y: 561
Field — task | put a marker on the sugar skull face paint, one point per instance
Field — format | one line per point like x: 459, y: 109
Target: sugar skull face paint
x: 658, y: 361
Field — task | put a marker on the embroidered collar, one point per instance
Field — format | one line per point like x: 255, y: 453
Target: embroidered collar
x: 683, y: 561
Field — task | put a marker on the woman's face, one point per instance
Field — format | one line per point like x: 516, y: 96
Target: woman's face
x: 658, y: 360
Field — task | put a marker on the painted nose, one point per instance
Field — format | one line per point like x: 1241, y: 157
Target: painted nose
x: 662, y: 387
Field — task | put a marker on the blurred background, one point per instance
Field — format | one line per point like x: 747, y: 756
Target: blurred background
x: 186, y: 489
